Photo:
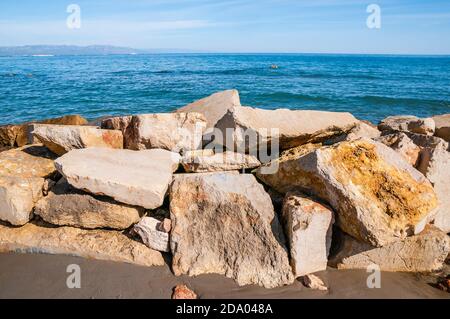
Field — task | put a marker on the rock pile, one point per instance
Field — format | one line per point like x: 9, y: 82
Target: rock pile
x: 143, y: 185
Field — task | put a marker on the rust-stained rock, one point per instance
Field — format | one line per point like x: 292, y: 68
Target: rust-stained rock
x: 61, y: 139
x: 378, y: 197
x: 183, y: 292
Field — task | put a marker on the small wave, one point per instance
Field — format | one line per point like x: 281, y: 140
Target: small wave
x: 42, y: 55
x: 339, y: 76
x: 289, y: 97
x: 387, y: 100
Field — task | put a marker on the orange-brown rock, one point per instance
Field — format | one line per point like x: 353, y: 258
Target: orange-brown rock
x: 19, y: 135
x: 183, y: 292
x: 377, y: 196
x: 22, y: 178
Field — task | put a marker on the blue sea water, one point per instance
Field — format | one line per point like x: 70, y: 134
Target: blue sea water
x: 370, y: 87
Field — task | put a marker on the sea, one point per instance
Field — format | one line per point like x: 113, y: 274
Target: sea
x: 371, y: 87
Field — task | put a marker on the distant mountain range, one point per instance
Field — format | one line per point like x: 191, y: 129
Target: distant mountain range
x: 36, y: 50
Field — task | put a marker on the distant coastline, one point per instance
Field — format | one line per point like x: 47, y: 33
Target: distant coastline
x: 75, y: 50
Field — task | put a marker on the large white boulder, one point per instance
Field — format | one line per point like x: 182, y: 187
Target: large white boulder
x: 224, y: 223
x: 139, y: 178
x: 252, y: 128
x: 214, y: 106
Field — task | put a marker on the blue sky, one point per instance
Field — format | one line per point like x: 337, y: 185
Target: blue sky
x: 306, y: 26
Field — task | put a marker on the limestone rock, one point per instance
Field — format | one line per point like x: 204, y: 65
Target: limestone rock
x: 19, y: 135
x: 149, y: 229
x: 308, y: 227
x: 314, y: 282
x: 224, y: 223
x: 66, y: 206
x: 9, y: 135
x: 436, y: 167
x: 172, y: 131
x: 22, y: 178
x: 226, y: 161
x: 363, y: 129
x: 425, y: 252
x: 213, y: 107
x: 412, y: 124
x: 18, y: 197
x: 136, y: 178
x: 427, y: 142
x: 63, y: 138
x: 252, y: 127
x: 377, y: 196
x: 27, y: 161
x: 94, y: 244
x: 65, y: 120
x: 442, y: 126
x: 183, y: 292
x: 402, y: 144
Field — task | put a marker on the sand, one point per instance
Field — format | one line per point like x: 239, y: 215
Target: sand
x: 44, y: 276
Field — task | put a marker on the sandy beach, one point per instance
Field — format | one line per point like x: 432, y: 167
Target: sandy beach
x: 44, y: 276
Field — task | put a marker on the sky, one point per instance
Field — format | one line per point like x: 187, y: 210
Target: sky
x: 287, y: 26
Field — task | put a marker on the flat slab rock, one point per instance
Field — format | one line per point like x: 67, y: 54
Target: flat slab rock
x: 201, y: 162
x: 170, y: 131
x: 67, y: 206
x: 22, y: 178
x: 377, y: 196
x: 139, y: 178
x: 436, y: 167
x: 19, y: 135
x: 94, y: 244
x: 224, y: 223
x: 63, y: 138
x: 289, y: 128
x: 214, y: 106
x: 425, y: 252
x: 308, y: 227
